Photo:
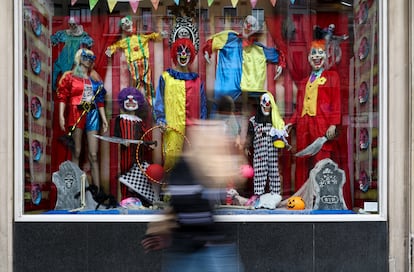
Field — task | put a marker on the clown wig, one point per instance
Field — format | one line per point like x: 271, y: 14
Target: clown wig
x: 137, y: 95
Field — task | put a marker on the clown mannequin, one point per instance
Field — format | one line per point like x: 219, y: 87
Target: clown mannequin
x: 266, y: 134
x: 74, y: 38
x: 318, y: 111
x: 129, y: 125
x: 81, y: 91
x: 180, y: 97
x: 136, y: 50
x: 241, y: 60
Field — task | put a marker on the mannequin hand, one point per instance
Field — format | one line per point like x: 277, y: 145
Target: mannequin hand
x: 108, y: 52
x: 104, y: 125
x: 207, y: 57
x: 164, y: 34
x: 62, y: 123
x: 279, y: 71
x: 163, y: 127
x: 331, y: 132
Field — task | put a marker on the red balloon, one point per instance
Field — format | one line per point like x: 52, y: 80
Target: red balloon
x: 155, y: 172
x: 247, y: 171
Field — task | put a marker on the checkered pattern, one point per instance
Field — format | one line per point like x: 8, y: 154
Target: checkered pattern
x: 265, y: 159
x: 136, y: 180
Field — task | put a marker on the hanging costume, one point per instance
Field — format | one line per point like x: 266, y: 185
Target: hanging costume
x: 73, y: 42
x: 241, y: 63
x: 76, y: 93
x: 136, y: 50
x: 180, y: 97
x: 319, y: 106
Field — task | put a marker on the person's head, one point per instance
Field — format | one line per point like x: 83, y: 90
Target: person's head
x: 317, y: 55
x: 265, y: 104
x: 126, y: 24
x: 72, y: 23
x: 130, y: 100
x: 183, y: 52
x: 85, y: 57
x: 225, y: 104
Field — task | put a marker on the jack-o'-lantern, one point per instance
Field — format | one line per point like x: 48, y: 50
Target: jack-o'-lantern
x: 296, y: 203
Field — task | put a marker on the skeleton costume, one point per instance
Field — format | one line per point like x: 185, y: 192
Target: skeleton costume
x: 260, y: 135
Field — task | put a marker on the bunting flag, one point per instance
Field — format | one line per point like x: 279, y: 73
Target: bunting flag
x: 210, y: 2
x: 274, y: 2
x: 253, y: 3
x: 292, y: 1
x: 234, y: 3
x: 155, y: 3
x: 73, y: 2
x: 92, y: 4
x: 111, y: 5
x: 134, y: 5
x: 177, y: 2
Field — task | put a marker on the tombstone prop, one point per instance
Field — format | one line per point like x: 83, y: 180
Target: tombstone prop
x: 71, y: 193
x: 328, y: 181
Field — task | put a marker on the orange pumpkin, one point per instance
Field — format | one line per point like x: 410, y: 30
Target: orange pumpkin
x: 296, y: 203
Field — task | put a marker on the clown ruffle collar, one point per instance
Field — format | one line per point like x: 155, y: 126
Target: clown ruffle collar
x: 182, y: 76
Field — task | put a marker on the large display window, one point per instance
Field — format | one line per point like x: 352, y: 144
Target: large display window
x: 279, y: 106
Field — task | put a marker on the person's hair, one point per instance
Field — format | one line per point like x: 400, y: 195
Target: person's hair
x: 225, y: 104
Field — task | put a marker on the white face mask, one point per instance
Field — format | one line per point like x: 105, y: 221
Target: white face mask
x: 265, y: 104
x: 317, y: 58
x: 130, y: 104
x: 250, y: 26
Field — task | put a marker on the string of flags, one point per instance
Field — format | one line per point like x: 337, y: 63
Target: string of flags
x: 135, y: 3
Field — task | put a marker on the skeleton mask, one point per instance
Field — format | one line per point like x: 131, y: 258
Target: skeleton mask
x: 130, y: 104
x: 126, y: 24
x: 317, y: 57
x: 265, y: 105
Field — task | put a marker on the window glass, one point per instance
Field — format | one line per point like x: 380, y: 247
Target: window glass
x: 112, y: 91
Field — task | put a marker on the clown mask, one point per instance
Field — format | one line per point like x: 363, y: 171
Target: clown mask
x: 126, y: 24
x: 317, y: 57
x: 265, y: 105
x: 183, y: 55
x: 250, y: 26
x: 130, y: 104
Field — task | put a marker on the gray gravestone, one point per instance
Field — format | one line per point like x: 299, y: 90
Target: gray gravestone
x: 328, y: 181
x: 68, y: 184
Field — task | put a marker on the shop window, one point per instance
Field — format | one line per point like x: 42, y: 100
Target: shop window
x: 314, y: 155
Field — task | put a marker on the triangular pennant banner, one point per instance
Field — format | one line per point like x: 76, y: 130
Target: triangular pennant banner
x: 234, y: 3
x: 134, y: 5
x: 72, y: 2
x: 253, y: 3
x: 111, y: 4
x: 177, y: 2
x: 155, y: 3
x: 273, y: 2
x: 92, y: 4
x: 292, y: 1
x: 210, y: 2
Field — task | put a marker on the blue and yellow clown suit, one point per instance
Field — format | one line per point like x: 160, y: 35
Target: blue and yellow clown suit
x: 180, y: 98
x: 241, y: 63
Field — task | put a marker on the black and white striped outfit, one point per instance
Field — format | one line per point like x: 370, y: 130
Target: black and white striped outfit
x: 265, y: 155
